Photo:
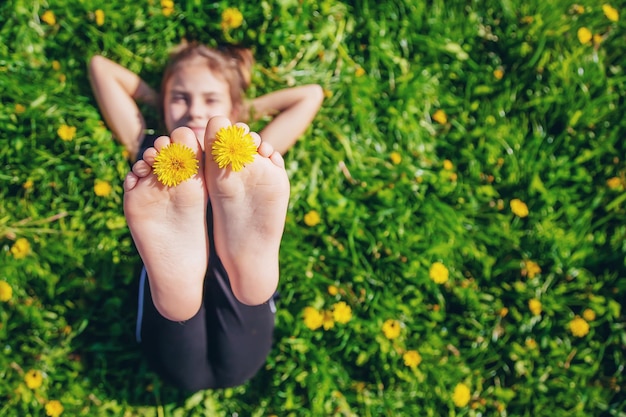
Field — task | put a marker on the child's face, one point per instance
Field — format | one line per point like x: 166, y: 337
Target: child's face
x: 193, y: 95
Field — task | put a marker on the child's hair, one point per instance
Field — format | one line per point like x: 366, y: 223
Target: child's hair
x: 232, y: 63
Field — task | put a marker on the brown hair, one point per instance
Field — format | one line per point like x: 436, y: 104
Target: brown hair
x: 232, y: 63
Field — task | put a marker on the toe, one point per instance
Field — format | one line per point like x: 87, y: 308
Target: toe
x: 216, y: 123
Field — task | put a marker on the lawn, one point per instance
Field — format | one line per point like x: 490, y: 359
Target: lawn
x: 456, y: 237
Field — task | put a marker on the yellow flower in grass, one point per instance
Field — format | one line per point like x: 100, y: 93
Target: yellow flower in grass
x: 49, y: 17
x: 461, y: 395
x: 312, y: 218
x: 6, y: 292
x: 519, y: 208
x: 614, y: 183
x: 342, y: 313
x: 579, y: 327
x: 231, y: 18
x: 534, y: 306
x: 391, y: 328
x: 19, y: 108
x: 313, y: 318
x: 412, y: 358
x: 174, y: 164
x: 234, y: 147
x: 438, y: 273
x: 54, y: 408
x: 359, y: 72
x: 584, y: 35
x: 611, y: 13
x: 167, y: 7
x: 531, y: 269
x: 589, y: 314
x: 498, y: 73
x: 531, y: 343
x: 333, y: 290
x: 328, y: 321
x: 102, y: 188
x: 448, y: 165
x: 66, y: 132
x: 440, y: 117
x: 21, y: 248
x: 33, y: 379
x: 99, y: 15
x: 396, y: 158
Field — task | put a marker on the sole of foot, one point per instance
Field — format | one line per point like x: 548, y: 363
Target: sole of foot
x: 168, y: 226
x: 249, y: 211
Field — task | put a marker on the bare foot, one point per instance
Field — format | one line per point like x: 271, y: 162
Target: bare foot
x: 168, y: 225
x: 249, y: 210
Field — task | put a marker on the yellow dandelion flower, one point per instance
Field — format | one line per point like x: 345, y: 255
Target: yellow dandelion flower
x: 342, y: 313
x: 328, y: 321
x: 66, y: 132
x: 21, y: 248
x: 99, y: 16
x: 102, y: 188
x: 531, y: 269
x: 597, y: 39
x: 611, y: 13
x: 174, y: 164
x: 312, y: 218
x: 519, y: 208
x: 531, y: 343
x: 396, y: 158
x: 579, y: 327
x: 584, y: 35
x: 503, y: 312
x: 54, y: 408
x: 233, y: 147
x: 49, y: 17
x: 19, y: 108
x: 438, y: 273
x: 33, y: 379
x: 498, y: 74
x: 28, y: 184
x: 56, y: 65
x: 359, y: 72
x: 440, y: 117
x: 167, y: 7
x: 391, y: 328
x: 534, y: 306
x: 231, y: 18
x: 313, y: 318
x: 333, y: 290
x: 578, y: 9
x: 614, y: 183
x: 589, y: 314
x: 6, y: 292
x: 461, y: 395
x: 412, y: 358
x: 448, y: 165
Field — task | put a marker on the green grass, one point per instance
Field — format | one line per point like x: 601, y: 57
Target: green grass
x: 550, y: 132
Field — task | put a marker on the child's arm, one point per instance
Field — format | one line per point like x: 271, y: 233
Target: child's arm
x: 293, y: 110
x: 117, y: 90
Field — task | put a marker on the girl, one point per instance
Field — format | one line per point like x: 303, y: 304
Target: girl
x: 209, y: 245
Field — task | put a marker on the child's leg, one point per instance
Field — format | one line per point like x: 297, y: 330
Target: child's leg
x: 224, y: 345
x: 168, y: 225
x: 249, y: 211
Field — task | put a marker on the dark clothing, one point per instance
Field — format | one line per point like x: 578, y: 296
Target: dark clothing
x: 223, y: 345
